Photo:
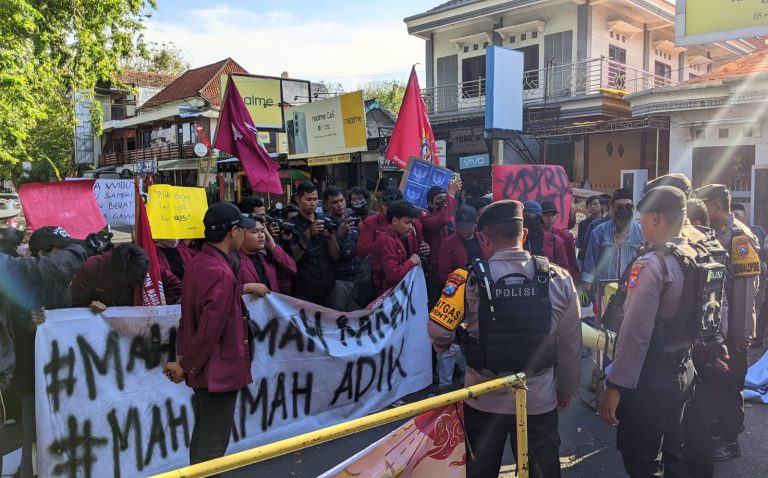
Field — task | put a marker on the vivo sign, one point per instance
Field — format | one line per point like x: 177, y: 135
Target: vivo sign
x: 477, y: 161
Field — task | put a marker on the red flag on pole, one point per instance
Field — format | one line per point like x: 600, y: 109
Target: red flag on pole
x: 412, y: 135
x: 236, y: 135
x: 151, y: 292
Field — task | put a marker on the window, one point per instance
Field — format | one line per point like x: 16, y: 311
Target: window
x: 617, y: 73
x: 131, y: 143
x: 485, y: 44
x: 722, y: 133
x: 559, y: 47
x: 530, y: 66
x: 662, y: 70
x: 475, y: 47
x: 146, y: 139
x: 534, y: 34
x: 522, y: 37
x: 117, y: 145
x: 472, y: 77
x: 512, y: 39
x: 466, y: 49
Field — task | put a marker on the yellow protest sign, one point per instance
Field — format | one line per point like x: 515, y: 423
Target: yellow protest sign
x: 176, y: 212
x: 449, y: 310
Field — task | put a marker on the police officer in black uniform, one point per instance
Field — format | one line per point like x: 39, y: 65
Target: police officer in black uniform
x: 521, y: 315
x: 652, y: 375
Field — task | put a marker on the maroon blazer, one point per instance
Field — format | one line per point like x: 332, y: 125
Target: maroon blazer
x: 570, y: 251
x: 377, y: 224
x: 436, y: 230
x: 453, y: 255
x: 389, y: 262
x: 212, y: 341
x: 277, y: 266
x: 554, y: 250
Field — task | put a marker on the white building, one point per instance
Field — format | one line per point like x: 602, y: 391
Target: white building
x: 581, y: 58
x: 718, y: 128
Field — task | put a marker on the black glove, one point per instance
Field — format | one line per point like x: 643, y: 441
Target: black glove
x: 97, y: 242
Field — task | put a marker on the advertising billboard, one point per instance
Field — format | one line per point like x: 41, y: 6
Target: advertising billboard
x: 503, y: 92
x: 327, y: 127
x: 708, y: 21
x: 263, y: 96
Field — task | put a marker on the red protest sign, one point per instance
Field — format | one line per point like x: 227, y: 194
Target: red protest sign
x: 68, y: 204
x: 534, y: 182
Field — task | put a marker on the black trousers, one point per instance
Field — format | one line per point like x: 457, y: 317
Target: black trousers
x: 762, y: 321
x: 214, y: 416
x: 487, y: 433
x: 649, y: 435
x: 727, y: 397
x: 697, y: 428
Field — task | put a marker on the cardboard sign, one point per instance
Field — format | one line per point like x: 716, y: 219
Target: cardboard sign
x: 418, y: 177
x: 533, y: 182
x: 104, y: 407
x: 116, y: 198
x: 68, y: 204
x: 176, y: 212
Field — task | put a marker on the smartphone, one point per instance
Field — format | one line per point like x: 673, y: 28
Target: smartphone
x: 455, y: 177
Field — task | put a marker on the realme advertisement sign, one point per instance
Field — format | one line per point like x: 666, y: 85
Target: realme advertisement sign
x: 707, y: 21
x: 328, y: 127
x: 264, y: 98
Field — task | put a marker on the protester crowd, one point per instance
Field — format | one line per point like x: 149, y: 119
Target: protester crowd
x: 333, y: 249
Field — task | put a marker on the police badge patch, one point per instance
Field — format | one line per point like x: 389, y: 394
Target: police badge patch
x: 634, y: 271
x: 742, y: 246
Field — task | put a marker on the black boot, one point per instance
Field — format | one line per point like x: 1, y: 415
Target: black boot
x: 723, y: 450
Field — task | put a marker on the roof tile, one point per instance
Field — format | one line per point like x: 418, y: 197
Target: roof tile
x: 754, y: 63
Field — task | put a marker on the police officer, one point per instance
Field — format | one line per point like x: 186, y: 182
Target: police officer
x: 521, y: 315
x: 652, y: 374
x: 743, y: 266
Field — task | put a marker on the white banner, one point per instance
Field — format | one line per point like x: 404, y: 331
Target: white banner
x: 116, y: 200
x: 104, y: 408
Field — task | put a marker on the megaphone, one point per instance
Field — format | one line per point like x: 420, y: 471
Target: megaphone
x: 603, y: 340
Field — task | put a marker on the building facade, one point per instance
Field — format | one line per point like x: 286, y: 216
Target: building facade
x: 580, y: 60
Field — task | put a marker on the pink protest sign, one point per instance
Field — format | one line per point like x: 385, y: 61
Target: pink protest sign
x: 534, y: 182
x: 68, y: 204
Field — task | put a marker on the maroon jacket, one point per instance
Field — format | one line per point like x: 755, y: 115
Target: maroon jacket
x: 436, y: 231
x: 171, y: 282
x: 389, y: 261
x: 453, y: 255
x: 377, y: 224
x: 277, y: 266
x: 570, y: 251
x: 212, y: 339
x: 96, y: 281
x: 553, y: 249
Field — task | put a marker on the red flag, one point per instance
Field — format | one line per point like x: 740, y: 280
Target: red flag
x: 236, y: 135
x: 151, y: 293
x: 412, y: 135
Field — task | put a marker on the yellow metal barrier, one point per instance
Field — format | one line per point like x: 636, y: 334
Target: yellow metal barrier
x: 272, y: 450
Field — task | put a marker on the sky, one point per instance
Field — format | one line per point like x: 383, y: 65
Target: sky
x: 348, y: 42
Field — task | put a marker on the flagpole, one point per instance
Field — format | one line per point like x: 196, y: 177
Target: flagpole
x: 213, y: 139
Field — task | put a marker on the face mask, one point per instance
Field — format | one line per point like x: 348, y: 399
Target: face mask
x: 439, y: 205
x: 10, y: 238
x: 533, y: 224
x: 623, y: 215
x: 359, y: 203
x: 168, y: 243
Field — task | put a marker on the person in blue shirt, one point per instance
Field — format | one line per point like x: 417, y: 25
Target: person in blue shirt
x: 613, y: 245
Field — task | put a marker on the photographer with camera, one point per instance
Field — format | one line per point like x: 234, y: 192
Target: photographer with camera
x: 262, y: 261
x: 314, y: 248
x: 347, y: 234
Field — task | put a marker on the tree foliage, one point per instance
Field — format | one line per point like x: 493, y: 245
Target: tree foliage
x: 389, y: 93
x: 164, y: 58
x: 49, y: 50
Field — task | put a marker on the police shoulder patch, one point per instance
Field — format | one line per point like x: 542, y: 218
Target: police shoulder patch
x: 744, y: 257
x: 634, y: 272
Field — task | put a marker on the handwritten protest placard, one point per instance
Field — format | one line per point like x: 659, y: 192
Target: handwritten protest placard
x: 105, y: 409
x: 418, y: 177
x: 176, y: 212
x: 116, y: 198
x: 533, y: 182
x: 68, y: 204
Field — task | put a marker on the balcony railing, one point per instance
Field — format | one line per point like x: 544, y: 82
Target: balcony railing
x: 557, y: 82
x: 160, y: 153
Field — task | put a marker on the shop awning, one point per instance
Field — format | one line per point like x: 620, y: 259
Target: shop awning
x: 179, y: 164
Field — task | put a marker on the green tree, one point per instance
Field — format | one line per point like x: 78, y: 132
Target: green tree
x: 389, y: 93
x: 49, y: 50
x: 164, y: 58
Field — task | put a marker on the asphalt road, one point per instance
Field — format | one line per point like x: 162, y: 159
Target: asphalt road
x: 588, y: 447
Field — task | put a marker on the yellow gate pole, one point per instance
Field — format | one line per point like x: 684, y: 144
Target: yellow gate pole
x: 521, y: 411
x: 279, y: 448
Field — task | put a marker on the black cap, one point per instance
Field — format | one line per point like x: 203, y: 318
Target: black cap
x: 466, y: 217
x: 434, y: 191
x: 622, y: 193
x: 48, y: 237
x: 663, y: 199
x: 737, y: 206
x: 500, y: 211
x: 606, y: 197
x: 548, y: 206
x: 391, y: 194
x: 676, y: 180
x: 712, y: 191
x: 223, y: 216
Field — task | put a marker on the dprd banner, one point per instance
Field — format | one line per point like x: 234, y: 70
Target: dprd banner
x: 529, y: 182
x: 105, y: 409
x: 68, y: 204
x: 176, y: 212
x: 431, y: 444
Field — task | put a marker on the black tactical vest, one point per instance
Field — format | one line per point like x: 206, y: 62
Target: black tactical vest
x: 514, y: 322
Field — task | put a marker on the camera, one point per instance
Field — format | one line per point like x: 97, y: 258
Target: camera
x: 329, y: 224
x: 284, y: 226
